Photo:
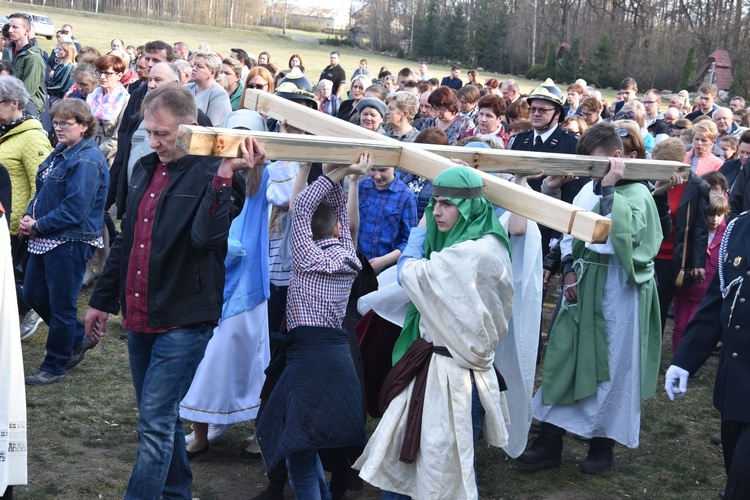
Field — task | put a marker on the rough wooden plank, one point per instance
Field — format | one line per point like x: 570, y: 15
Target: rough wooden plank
x: 224, y: 143
x: 483, y: 159
x: 526, y: 162
x: 205, y: 141
x: 549, y: 211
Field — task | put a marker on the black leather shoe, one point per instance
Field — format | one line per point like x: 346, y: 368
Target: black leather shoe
x: 600, y: 459
x: 78, y: 352
x: 544, y: 452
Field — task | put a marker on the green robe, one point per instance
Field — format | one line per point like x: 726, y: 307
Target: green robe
x: 576, y: 359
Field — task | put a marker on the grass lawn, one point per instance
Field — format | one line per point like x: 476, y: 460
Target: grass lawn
x: 83, y: 442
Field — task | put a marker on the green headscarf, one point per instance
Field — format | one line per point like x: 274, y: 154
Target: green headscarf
x: 464, y: 188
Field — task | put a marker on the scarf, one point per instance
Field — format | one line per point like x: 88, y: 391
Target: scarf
x: 6, y: 127
x: 106, y: 107
x: 464, y: 188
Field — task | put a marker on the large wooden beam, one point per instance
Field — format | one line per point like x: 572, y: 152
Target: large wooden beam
x: 224, y: 143
x: 202, y: 141
x: 542, y: 209
x: 553, y: 213
x: 526, y: 162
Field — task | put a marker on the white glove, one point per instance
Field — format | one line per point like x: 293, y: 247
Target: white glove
x: 674, y: 375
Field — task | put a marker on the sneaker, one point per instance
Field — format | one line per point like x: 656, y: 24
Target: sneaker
x: 44, y: 378
x: 29, y: 324
x: 78, y: 351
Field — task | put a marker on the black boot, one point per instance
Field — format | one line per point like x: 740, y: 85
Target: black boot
x: 600, y: 459
x: 546, y: 450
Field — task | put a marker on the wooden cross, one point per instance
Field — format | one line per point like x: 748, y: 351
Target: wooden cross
x: 345, y: 141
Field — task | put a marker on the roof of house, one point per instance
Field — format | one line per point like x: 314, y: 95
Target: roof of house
x: 722, y: 70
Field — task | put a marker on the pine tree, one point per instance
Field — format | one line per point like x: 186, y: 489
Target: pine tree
x: 689, y: 69
x: 740, y: 83
x: 550, y: 61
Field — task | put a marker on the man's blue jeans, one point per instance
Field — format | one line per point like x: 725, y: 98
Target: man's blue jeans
x: 306, y: 476
x: 51, y: 287
x: 163, y: 366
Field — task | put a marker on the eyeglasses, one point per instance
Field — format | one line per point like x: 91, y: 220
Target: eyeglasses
x: 534, y: 110
x: 63, y: 125
x: 256, y: 86
x: 623, y: 132
x: 106, y: 74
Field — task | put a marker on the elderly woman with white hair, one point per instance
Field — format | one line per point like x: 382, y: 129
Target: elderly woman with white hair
x: 402, y: 106
x: 348, y: 108
x: 328, y: 102
x: 210, y: 96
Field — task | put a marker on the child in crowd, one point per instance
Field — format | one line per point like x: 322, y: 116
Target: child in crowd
x: 317, y: 401
x: 687, y: 300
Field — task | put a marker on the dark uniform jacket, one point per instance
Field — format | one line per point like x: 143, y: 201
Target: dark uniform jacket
x: 715, y: 321
x: 561, y: 142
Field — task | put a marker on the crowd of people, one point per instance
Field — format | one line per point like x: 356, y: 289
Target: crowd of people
x: 306, y: 296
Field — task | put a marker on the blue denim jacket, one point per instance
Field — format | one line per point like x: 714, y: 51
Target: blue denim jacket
x: 69, y: 203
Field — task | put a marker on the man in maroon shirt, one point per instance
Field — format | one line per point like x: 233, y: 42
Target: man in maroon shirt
x: 166, y: 268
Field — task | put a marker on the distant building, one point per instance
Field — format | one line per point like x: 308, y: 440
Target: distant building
x: 716, y: 69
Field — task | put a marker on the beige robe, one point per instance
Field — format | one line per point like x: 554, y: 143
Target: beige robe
x: 12, y: 389
x: 465, y: 296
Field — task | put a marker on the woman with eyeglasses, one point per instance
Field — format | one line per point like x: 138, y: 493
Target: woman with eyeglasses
x: 210, y: 96
x: 62, y: 76
x: 63, y: 223
x: 107, y: 103
x: 232, y: 71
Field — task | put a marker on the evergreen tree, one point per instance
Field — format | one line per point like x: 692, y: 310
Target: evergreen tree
x: 457, y: 31
x: 689, y: 69
x: 567, y: 70
x: 740, y: 83
x: 550, y: 61
x: 490, y: 34
x: 427, y: 30
x: 603, y: 71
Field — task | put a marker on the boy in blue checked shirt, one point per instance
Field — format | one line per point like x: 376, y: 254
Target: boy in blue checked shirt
x: 387, y: 212
x: 317, y: 402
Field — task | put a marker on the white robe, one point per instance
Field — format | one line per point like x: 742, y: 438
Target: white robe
x: 12, y: 389
x: 465, y: 296
x: 614, y: 411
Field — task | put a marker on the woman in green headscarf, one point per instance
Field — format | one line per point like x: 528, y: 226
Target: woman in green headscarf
x: 456, y: 271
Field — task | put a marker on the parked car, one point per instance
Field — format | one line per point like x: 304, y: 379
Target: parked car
x: 43, y: 25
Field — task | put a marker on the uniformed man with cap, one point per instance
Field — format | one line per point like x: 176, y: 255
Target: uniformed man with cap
x: 546, y: 136
x: 724, y: 315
